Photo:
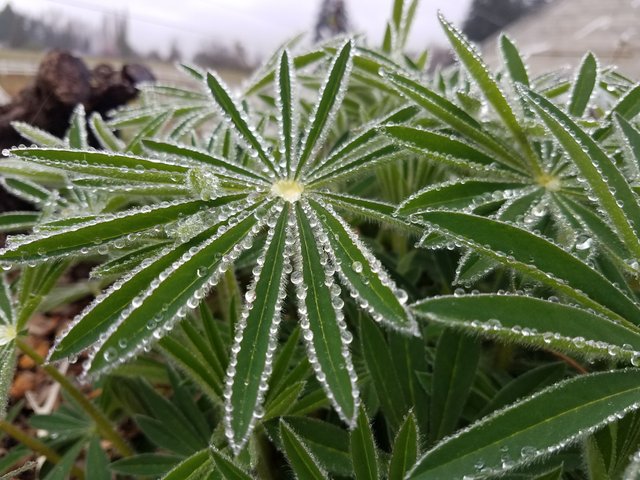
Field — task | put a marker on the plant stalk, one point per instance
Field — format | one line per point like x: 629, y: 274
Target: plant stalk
x: 36, y: 446
x: 103, y: 424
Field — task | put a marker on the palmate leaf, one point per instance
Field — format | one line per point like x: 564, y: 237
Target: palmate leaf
x: 363, y: 274
x: 103, y: 313
x: 181, y: 287
x: 304, y: 465
x: 537, y: 257
x: 472, y: 61
x: 322, y: 322
x: 454, y: 370
x: 535, y: 427
x: 256, y: 335
x: 535, y: 322
x: 331, y: 95
x: 90, y: 235
x: 594, y: 164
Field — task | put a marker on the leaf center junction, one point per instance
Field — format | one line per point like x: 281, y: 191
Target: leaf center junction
x: 550, y: 182
x: 289, y: 190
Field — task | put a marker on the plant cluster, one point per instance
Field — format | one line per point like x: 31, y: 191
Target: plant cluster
x: 352, y: 268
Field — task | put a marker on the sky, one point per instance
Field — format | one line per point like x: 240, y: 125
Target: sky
x: 260, y: 25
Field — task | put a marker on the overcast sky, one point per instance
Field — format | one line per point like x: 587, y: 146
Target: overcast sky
x: 260, y: 25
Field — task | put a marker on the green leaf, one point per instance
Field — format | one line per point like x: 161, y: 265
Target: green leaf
x: 62, y: 157
x: 196, y: 463
x: 632, y: 135
x: 250, y: 366
x: 102, y: 315
x: 444, y: 148
x: 535, y: 322
x: 627, y: 107
x: 526, y: 384
x: 452, y: 115
x: 7, y: 370
x: 328, y: 443
x: 405, y: 449
x: 324, y: 111
x: 200, y: 157
x: 150, y: 129
x: 363, y: 450
x: 226, y: 467
x: 594, y: 164
x: 105, y: 136
x: 535, y: 427
x: 302, y: 462
x: 384, y: 376
x: 363, y: 274
x: 239, y: 120
x: 454, y: 370
x: 454, y: 194
x: 285, y: 78
x: 145, y: 464
x: 169, y: 299
x: 77, y: 134
x: 36, y: 135
x: 325, y: 331
x: 91, y: 234
x: 282, y: 403
x: 513, y: 61
x: 537, y: 257
x: 26, y: 190
x: 17, y: 221
x: 583, y: 86
x: 472, y: 61
x: 97, y: 461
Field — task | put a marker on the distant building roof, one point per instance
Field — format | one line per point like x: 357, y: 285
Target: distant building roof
x: 560, y: 33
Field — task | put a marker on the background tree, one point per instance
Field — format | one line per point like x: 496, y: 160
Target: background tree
x: 332, y: 20
x: 487, y: 17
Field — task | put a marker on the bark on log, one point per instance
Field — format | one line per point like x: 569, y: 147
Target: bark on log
x: 62, y: 82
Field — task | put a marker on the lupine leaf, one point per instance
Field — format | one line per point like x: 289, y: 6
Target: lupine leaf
x: 583, y: 86
x: 455, y: 194
x: 454, y: 370
x: 101, y: 316
x: 97, y: 461
x: 326, y: 329
x: 17, y: 221
x: 145, y: 464
x: 302, y: 462
x: 238, y: 119
x: 513, y: 61
x: 195, y: 463
x: 384, y: 376
x: 287, y: 116
x: 622, y: 208
x: 533, y: 255
x: 36, y: 135
x: 438, y: 145
x: 363, y: 274
x: 363, y: 450
x: 171, y: 295
x: 103, y: 134
x: 532, y: 428
x: 90, y: 234
x: 489, y: 87
x: 535, y: 322
x: 199, y: 157
x: 250, y: 366
x: 77, y: 134
x: 54, y: 156
x: 226, y: 467
x: 450, y: 114
x: 632, y: 135
x: 324, y: 111
x: 26, y: 189
x: 405, y: 449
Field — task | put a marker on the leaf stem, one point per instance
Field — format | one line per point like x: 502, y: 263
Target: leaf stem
x: 36, y: 446
x: 102, y: 423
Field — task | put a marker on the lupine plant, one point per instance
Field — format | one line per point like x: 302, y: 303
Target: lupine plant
x: 350, y: 268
